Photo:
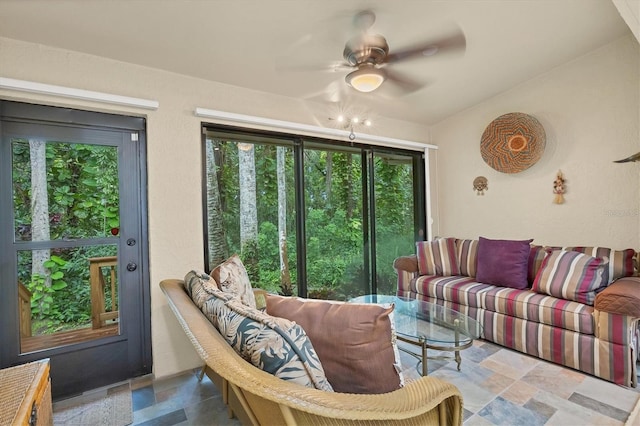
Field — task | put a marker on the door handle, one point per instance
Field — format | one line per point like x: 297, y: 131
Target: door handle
x: 131, y: 266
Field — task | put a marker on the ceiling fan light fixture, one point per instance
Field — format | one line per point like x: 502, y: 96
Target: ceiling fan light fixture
x: 365, y: 79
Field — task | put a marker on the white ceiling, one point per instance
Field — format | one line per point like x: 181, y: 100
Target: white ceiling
x: 262, y: 44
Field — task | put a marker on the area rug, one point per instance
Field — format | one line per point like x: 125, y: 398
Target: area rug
x: 111, y: 406
x: 504, y: 387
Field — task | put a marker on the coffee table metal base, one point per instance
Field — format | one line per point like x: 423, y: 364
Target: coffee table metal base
x: 422, y: 357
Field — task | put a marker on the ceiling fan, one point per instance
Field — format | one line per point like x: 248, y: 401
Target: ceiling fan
x: 368, y: 57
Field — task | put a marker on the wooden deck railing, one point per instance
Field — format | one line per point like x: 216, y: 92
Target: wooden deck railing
x: 99, y: 314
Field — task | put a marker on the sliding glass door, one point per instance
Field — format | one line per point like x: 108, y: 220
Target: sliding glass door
x: 309, y: 217
x: 335, y: 222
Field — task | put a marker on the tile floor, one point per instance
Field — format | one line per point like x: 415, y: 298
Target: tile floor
x: 499, y: 387
x: 503, y: 387
x: 178, y: 400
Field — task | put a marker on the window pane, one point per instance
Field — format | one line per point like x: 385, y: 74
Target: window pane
x: 74, y: 186
x: 333, y: 196
x: 251, y: 210
x: 67, y: 295
x: 394, y: 203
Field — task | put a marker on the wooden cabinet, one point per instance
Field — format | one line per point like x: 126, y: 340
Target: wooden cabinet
x: 25, y: 394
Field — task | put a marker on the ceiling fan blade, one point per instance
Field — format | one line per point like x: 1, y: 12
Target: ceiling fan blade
x: 454, y: 42
x: 334, y: 92
x: 335, y: 66
x: 402, y: 82
x: 364, y: 20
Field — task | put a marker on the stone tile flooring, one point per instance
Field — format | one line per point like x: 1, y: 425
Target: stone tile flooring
x: 504, y: 387
x: 178, y: 400
x: 499, y: 387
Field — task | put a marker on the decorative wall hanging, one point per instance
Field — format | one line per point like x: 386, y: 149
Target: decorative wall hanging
x: 480, y: 184
x: 634, y: 157
x: 558, y: 188
x: 513, y: 142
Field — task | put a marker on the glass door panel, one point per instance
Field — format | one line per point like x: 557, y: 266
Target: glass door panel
x: 250, y: 207
x: 66, y: 207
x: 394, y: 215
x: 334, y: 223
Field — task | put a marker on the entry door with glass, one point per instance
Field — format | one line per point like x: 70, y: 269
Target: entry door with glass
x: 73, y: 280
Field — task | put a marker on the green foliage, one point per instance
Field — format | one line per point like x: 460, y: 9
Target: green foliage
x: 42, y: 295
x: 334, y: 218
x: 83, y: 200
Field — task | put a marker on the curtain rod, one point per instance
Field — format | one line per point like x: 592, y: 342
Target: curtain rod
x: 69, y: 92
x: 308, y: 129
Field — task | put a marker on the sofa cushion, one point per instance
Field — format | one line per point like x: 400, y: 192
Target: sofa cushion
x: 197, y: 284
x: 275, y: 345
x: 620, y: 261
x: 525, y: 304
x: 355, y: 342
x: 571, y: 275
x: 503, y: 262
x: 467, y: 254
x: 437, y: 257
x: 460, y: 290
x: 542, y: 308
x: 232, y: 278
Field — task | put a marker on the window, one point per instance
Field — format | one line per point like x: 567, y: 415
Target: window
x: 310, y: 217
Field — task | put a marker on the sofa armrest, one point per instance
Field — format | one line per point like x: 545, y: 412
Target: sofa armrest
x: 622, y: 297
x: 406, y: 263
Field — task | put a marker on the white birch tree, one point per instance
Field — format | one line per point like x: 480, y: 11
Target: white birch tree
x: 217, y: 240
x: 248, y: 207
x: 40, y: 230
x: 285, y: 276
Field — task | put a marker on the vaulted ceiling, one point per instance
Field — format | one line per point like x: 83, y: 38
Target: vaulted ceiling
x: 288, y: 47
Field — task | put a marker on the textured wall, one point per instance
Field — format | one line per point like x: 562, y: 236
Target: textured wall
x: 590, y: 111
x: 173, y: 134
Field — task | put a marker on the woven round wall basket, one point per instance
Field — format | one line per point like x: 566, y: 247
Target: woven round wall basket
x: 513, y: 142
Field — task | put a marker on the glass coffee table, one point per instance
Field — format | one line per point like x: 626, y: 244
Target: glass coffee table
x: 428, y: 326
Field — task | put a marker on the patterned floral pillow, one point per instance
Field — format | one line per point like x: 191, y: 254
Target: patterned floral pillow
x: 232, y: 278
x: 571, y: 275
x: 275, y: 345
x: 199, y: 286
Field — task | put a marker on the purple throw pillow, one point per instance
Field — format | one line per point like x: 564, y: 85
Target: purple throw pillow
x: 503, y: 262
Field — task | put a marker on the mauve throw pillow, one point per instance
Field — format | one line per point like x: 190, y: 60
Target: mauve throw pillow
x: 503, y: 262
x: 356, y: 343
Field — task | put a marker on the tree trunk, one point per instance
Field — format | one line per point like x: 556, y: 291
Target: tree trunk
x: 285, y: 276
x: 217, y: 239
x: 248, y: 208
x: 40, y: 230
x: 349, y: 182
x: 329, y: 175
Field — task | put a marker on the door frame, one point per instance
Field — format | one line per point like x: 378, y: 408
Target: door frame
x: 63, y: 358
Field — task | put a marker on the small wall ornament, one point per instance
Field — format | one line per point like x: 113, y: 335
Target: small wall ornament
x: 558, y: 188
x: 480, y: 184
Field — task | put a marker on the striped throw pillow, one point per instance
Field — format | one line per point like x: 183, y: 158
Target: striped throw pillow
x: 571, y: 275
x: 437, y: 257
x: 620, y: 261
x: 467, y: 257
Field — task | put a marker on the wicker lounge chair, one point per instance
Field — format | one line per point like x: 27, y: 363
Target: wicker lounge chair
x: 259, y: 398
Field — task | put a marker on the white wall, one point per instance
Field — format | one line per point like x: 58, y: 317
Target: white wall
x: 173, y: 134
x: 590, y: 111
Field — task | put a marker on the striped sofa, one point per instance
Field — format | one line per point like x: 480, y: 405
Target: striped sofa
x: 598, y: 336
